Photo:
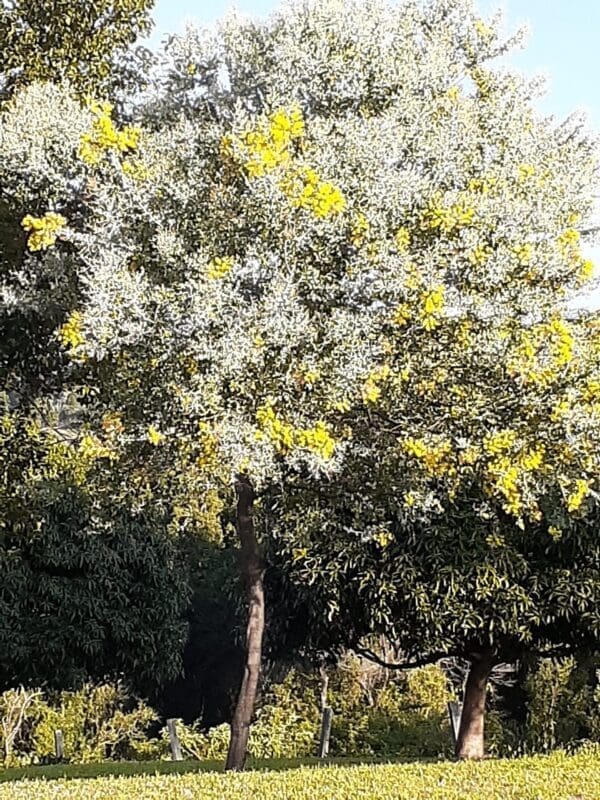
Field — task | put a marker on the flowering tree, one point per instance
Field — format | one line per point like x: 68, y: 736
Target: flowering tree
x: 338, y: 238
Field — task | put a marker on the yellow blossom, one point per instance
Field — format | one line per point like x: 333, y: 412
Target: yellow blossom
x: 554, y: 532
x: 479, y: 255
x: 482, y: 29
x: 105, y: 136
x: 402, y: 239
x: 70, y: 334
x: 435, y: 455
x: 219, y: 267
x: 524, y: 172
x: 155, y: 437
x: 499, y: 441
x: 402, y: 315
x: 433, y: 307
x: 359, y: 230
x: 371, y: 391
x: 43, y: 230
x: 317, y: 439
x: 578, y: 495
x: 524, y: 254
x: 91, y: 448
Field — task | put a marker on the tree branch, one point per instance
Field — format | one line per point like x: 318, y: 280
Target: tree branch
x: 401, y: 665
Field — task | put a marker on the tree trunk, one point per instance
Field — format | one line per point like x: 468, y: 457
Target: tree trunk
x: 470, y: 743
x: 252, y: 573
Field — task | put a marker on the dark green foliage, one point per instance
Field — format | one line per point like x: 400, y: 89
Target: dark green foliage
x: 91, y: 594
x: 88, y: 586
x: 433, y: 590
x: 67, y: 39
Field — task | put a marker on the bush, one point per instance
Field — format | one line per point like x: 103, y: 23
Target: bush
x: 404, y: 714
x: 98, y: 723
x: 563, y: 703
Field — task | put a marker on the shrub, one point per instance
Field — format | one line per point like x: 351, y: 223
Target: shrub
x: 98, y: 723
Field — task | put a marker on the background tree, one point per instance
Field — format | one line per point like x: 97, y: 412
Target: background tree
x: 67, y: 40
x: 91, y: 586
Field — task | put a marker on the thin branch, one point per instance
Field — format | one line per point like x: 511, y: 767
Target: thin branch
x: 402, y: 665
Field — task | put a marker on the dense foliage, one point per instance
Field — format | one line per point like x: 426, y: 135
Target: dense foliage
x: 67, y: 40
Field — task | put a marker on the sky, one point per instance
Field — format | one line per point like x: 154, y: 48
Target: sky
x: 563, y: 44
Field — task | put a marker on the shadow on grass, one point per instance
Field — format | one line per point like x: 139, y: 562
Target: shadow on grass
x: 130, y: 768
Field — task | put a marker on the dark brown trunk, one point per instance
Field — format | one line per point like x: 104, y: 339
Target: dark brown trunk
x: 252, y: 573
x: 470, y: 742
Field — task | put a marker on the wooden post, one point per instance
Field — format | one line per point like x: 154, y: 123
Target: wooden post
x: 454, y: 712
x: 176, y: 753
x: 325, y: 732
x: 59, y: 745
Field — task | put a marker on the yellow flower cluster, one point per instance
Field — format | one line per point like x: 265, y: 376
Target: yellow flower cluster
x: 561, y: 340
x: 70, y: 334
x: 453, y: 94
x: 532, y: 459
x: 447, y: 219
x: 524, y: 172
x: 306, y: 190
x: 435, y: 456
x: 91, y: 448
x: 505, y: 468
x: 433, y: 307
x: 136, y: 169
x: 578, y: 495
x: 482, y: 29
x: 524, y: 254
x: 558, y: 339
x: 268, y: 144
x: 402, y: 239
x: 209, y: 457
x: 504, y: 475
x: 317, y: 439
x: 155, y: 437
x: 359, y: 230
x: 371, y: 391
x: 43, y: 230
x: 220, y: 267
x: 104, y: 136
x: 306, y: 375
x: 402, y: 315
x: 568, y: 243
x: 285, y: 437
x: 484, y: 185
x: 479, y: 256
x: 586, y: 270
x: 499, y: 441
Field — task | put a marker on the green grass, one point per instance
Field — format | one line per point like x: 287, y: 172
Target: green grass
x: 129, y: 768
x: 555, y: 777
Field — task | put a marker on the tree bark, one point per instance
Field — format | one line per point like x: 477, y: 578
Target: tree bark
x: 251, y: 568
x: 470, y: 742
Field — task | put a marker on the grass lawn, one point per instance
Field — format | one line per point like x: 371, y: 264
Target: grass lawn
x: 555, y: 777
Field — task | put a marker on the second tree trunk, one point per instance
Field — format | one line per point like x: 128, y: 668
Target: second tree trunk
x: 470, y: 741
